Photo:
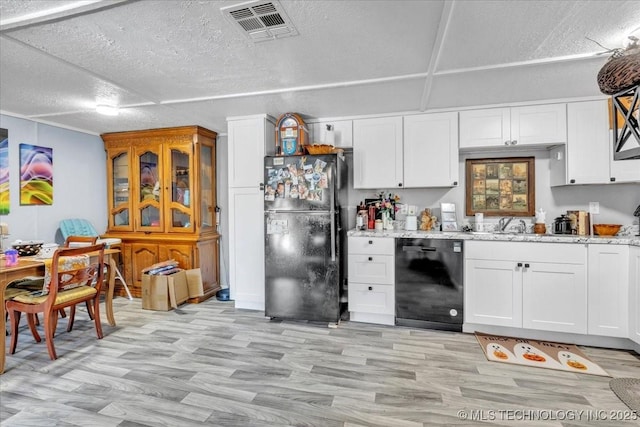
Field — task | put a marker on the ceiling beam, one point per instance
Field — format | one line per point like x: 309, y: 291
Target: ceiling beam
x: 58, y: 12
x: 445, y: 19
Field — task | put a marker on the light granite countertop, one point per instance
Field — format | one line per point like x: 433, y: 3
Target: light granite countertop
x: 546, y: 238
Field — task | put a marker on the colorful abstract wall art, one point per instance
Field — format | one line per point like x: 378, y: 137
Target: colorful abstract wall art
x: 4, y: 172
x: 36, y: 175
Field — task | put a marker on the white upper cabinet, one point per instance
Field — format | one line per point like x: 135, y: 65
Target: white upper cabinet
x: 430, y: 150
x: 250, y: 139
x: 342, y: 133
x: 623, y: 170
x: 485, y: 128
x: 414, y: 151
x: 533, y: 125
x: 584, y: 160
x: 377, y: 152
x: 587, y: 157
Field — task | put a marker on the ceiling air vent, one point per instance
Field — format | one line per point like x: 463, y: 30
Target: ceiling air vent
x: 260, y: 20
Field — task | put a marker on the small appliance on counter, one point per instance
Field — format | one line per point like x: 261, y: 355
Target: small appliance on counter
x: 562, y: 225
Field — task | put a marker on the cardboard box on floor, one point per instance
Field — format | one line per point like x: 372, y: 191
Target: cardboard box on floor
x: 164, y: 292
x: 194, y: 282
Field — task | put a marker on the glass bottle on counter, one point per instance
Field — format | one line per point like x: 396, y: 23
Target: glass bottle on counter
x: 372, y: 217
x: 362, y: 218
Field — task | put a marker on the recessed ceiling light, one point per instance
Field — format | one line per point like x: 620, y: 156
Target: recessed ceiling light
x: 107, y: 110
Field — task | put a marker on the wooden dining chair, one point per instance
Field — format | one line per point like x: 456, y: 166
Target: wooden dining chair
x: 73, y: 279
x: 75, y: 242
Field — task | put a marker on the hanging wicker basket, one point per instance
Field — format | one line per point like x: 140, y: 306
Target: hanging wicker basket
x: 620, y: 73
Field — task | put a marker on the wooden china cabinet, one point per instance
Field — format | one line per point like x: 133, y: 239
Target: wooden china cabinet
x: 162, y: 198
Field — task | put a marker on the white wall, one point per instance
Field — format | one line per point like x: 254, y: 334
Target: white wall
x: 617, y: 201
x: 79, y: 180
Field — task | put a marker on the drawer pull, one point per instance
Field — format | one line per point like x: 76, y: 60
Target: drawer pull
x: 519, y: 264
x: 370, y: 258
x: 526, y: 265
x: 370, y: 288
x: 371, y: 242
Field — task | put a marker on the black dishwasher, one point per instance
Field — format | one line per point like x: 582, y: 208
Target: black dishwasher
x: 429, y: 288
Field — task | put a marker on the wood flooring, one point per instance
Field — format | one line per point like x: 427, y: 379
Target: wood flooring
x: 210, y: 364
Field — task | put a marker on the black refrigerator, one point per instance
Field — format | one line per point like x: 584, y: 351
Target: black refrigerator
x: 304, y: 213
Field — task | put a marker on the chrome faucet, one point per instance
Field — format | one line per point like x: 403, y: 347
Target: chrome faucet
x: 522, y: 226
x: 504, y: 222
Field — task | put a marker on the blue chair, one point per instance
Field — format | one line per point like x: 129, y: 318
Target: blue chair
x: 82, y: 227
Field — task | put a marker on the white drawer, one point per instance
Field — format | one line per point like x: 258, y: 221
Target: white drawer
x: 377, y: 269
x: 371, y: 245
x: 368, y: 298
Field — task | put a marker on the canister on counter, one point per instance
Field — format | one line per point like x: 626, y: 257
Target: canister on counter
x: 10, y: 257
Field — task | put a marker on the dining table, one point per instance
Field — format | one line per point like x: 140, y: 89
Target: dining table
x: 33, y: 266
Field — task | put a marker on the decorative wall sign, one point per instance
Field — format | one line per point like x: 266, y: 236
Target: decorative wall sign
x: 500, y: 186
x: 4, y: 172
x: 36, y: 175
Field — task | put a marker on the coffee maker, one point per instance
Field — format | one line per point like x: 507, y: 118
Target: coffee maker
x: 562, y: 225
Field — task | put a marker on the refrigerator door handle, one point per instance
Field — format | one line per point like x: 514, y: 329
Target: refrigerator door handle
x: 333, y: 237
x: 332, y: 200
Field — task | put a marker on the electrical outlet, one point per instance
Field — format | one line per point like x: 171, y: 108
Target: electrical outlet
x: 594, y: 208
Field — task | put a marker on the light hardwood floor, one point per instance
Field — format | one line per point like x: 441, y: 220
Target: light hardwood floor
x: 210, y: 364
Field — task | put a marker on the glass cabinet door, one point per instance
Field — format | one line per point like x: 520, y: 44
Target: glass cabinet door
x: 207, y: 187
x: 119, y: 210
x: 180, y: 169
x: 149, y: 198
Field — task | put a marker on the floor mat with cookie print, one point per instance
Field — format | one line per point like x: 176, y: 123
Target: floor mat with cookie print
x: 542, y: 354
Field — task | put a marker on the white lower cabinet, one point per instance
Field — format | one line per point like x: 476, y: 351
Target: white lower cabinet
x: 634, y: 293
x: 523, y: 285
x: 554, y: 295
x: 246, y: 247
x: 609, y: 290
x: 492, y: 292
x: 371, y: 273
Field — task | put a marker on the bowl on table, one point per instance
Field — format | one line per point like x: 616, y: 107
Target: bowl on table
x: 48, y: 250
x: 27, y: 247
x: 606, y: 229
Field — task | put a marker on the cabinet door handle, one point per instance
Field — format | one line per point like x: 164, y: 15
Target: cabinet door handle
x: 612, y: 179
x: 370, y: 258
x: 526, y: 265
x: 506, y: 143
x: 514, y: 142
x: 371, y: 242
x: 455, y: 182
x: 261, y: 186
x: 370, y: 288
x: 519, y: 264
x: 399, y: 184
x: 572, y: 181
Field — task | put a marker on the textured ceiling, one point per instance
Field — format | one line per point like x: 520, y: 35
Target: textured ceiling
x: 171, y: 63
